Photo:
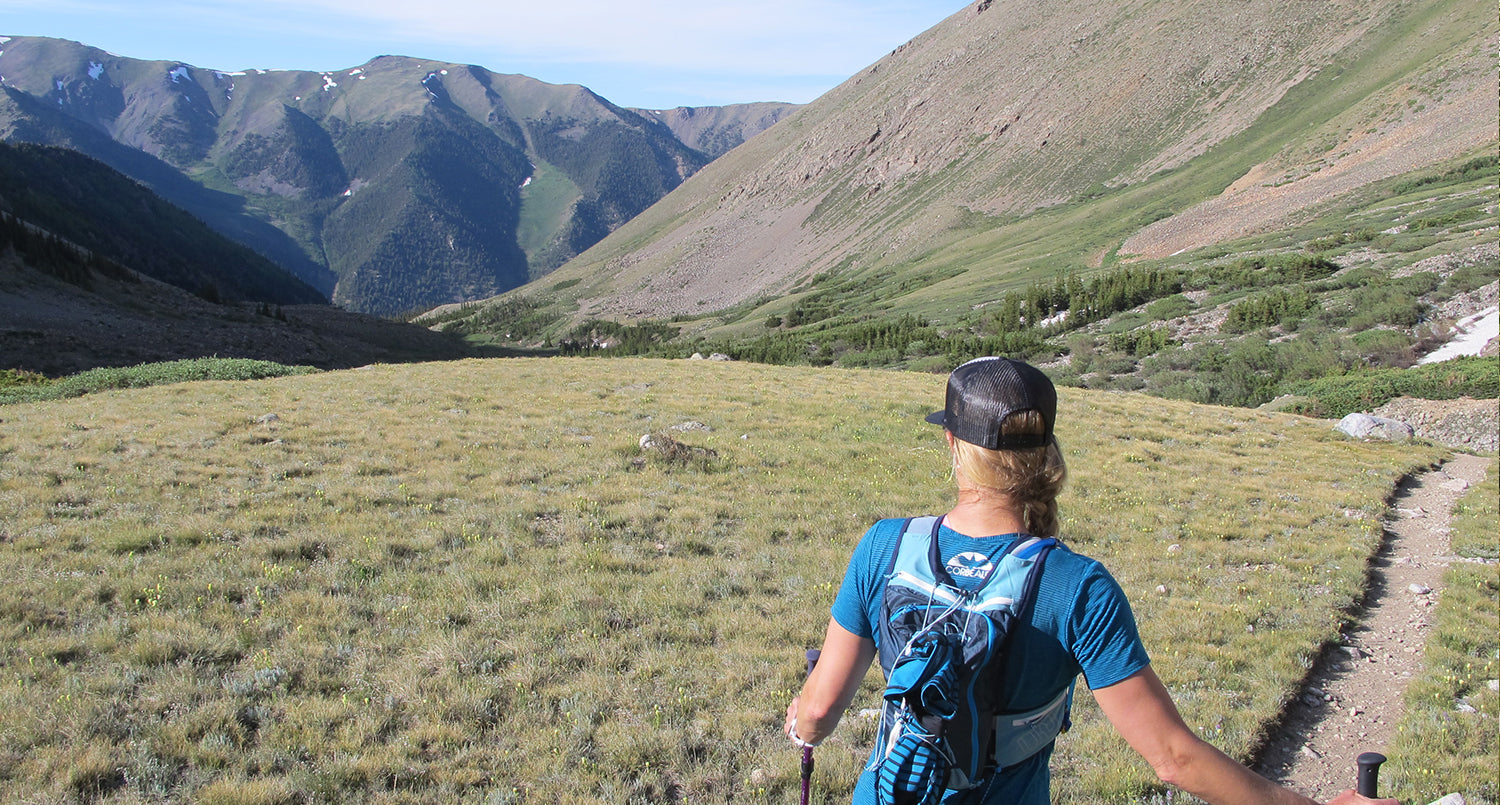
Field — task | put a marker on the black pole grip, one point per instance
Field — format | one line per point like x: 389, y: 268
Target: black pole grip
x: 1369, y: 774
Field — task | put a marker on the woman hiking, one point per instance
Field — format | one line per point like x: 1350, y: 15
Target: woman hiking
x: 1070, y: 618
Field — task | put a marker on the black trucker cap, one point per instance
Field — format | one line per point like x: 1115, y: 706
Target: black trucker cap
x: 985, y: 391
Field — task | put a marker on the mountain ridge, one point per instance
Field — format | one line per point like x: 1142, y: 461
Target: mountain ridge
x: 391, y: 186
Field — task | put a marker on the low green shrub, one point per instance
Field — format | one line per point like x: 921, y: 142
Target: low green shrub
x: 11, y: 378
x: 1170, y: 308
x: 144, y: 375
x: 1361, y: 391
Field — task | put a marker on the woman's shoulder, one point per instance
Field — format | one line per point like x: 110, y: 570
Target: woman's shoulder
x: 1064, y: 560
x: 891, y: 527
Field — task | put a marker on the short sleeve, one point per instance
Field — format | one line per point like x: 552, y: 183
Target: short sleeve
x: 864, y: 579
x: 1102, y: 632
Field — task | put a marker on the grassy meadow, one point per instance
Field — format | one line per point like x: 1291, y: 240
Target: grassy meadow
x: 466, y: 582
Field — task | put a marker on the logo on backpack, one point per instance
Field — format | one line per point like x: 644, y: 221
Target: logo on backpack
x: 942, y: 647
x: 970, y: 565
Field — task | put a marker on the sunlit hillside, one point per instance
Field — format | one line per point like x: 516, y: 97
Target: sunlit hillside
x: 1014, y: 142
x: 467, y: 582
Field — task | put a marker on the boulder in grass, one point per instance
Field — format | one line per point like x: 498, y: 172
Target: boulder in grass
x: 1364, y: 426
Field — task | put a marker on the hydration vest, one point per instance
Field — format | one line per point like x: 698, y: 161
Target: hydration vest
x: 943, y: 650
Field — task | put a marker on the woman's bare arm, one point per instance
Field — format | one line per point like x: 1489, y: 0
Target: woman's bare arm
x: 831, y: 687
x: 1141, y: 709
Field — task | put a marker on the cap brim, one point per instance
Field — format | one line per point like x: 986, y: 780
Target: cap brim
x: 936, y: 417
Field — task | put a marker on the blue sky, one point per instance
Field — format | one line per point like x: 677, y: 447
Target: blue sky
x: 642, y: 53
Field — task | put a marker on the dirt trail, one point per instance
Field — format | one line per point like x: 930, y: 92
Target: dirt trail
x: 1353, y: 699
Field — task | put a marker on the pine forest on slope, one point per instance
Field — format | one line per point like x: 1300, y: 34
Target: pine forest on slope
x: 394, y: 186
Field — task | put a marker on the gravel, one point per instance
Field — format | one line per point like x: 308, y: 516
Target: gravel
x: 1464, y: 424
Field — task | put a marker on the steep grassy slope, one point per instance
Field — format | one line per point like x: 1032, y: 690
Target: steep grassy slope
x: 1013, y: 142
x: 392, y: 186
x: 465, y: 582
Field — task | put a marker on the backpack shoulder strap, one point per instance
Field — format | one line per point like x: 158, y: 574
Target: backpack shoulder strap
x: 913, y: 525
x: 1021, y: 735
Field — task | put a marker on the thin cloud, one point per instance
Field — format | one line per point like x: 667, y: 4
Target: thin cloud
x: 773, y: 37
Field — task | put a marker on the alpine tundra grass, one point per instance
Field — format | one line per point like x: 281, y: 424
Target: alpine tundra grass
x: 467, y: 582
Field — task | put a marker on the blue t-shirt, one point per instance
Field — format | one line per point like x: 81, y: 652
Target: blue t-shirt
x: 1080, y: 624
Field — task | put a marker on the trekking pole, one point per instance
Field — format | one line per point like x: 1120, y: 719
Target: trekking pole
x: 1369, y: 773
x: 807, y: 758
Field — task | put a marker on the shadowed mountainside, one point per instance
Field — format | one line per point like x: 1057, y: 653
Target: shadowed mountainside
x: 96, y: 270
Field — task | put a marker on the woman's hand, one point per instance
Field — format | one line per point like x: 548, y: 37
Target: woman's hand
x: 791, y: 719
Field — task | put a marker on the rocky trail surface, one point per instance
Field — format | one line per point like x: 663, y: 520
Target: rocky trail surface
x: 1353, y: 699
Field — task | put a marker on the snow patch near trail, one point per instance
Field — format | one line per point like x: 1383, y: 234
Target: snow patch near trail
x: 1472, y: 334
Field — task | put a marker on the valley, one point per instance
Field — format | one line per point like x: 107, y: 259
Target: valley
x: 353, y: 448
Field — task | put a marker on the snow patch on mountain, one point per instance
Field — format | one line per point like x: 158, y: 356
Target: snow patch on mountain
x: 95, y: 70
x: 179, y: 73
x: 328, y: 82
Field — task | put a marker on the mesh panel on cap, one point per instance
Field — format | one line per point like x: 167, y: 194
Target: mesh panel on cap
x: 984, y: 392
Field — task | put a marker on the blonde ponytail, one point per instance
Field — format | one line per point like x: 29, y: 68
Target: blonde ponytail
x: 1029, y: 478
